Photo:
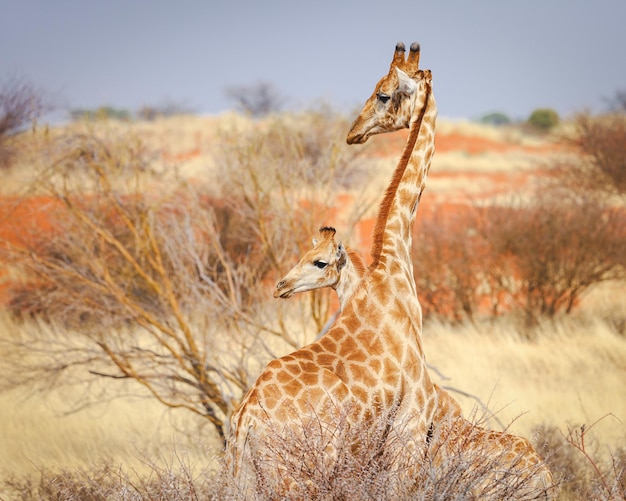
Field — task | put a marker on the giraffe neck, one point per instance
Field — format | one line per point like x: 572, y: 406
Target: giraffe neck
x: 349, y: 278
x: 394, y: 225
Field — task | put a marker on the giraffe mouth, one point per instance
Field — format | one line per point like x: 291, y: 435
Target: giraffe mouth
x: 284, y: 294
x: 357, y: 138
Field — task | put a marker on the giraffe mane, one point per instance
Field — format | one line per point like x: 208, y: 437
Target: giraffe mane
x: 386, y: 203
x: 357, y: 262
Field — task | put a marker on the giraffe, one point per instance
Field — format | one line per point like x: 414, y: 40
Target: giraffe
x: 371, y: 361
x: 329, y: 264
x: 392, y: 106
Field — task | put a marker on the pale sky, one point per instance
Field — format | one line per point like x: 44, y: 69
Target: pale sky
x: 489, y: 55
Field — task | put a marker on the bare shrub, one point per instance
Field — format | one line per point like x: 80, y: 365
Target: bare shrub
x: 559, y: 246
x: 161, y: 285
x: 20, y: 105
x: 380, y: 460
x: 449, y: 263
x: 140, y: 285
x: 585, y: 471
x: 601, y: 140
x: 257, y: 100
x: 617, y: 102
x: 167, y: 108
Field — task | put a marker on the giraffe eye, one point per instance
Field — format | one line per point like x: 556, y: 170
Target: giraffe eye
x: 320, y: 264
x: 383, y: 98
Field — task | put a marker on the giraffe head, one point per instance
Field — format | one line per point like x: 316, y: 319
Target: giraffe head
x: 320, y: 267
x: 395, y: 97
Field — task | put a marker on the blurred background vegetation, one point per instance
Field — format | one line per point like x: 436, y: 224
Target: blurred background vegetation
x: 120, y: 266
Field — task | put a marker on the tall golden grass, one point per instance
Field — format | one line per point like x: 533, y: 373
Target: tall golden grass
x: 573, y: 374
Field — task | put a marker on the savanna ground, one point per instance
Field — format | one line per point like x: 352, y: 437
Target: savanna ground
x: 570, y: 373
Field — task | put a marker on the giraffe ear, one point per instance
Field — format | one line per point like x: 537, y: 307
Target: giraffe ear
x: 406, y: 84
x: 342, y: 256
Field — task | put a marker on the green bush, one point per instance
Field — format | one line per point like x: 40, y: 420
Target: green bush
x: 495, y: 118
x: 544, y: 118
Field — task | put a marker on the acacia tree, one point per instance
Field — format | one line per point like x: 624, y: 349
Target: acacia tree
x: 146, y: 277
x: 138, y: 286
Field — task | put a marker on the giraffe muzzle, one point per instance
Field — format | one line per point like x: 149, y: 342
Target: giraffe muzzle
x: 280, y: 292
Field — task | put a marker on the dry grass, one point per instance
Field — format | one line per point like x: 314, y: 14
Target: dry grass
x: 53, y: 430
x: 572, y: 374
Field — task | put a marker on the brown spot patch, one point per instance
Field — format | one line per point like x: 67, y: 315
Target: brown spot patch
x: 283, y: 377
x: 348, y: 347
x: 328, y: 344
x: 314, y: 395
x: 326, y: 360
x: 360, y: 393
x: 294, y: 368
x: 309, y: 379
x: 308, y: 367
x: 293, y: 388
x: 367, y: 377
x: 373, y: 343
x: 266, y: 376
x: 351, y: 323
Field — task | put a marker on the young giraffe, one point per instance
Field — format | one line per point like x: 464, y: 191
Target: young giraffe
x: 326, y: 265
x: 371, y: 362
x: 329, y: 264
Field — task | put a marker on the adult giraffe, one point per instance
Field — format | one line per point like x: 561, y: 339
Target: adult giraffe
x: 393, y: 106
x: 370, y: 365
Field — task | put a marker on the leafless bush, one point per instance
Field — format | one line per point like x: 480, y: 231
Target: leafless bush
x: 449, y: 263
x: 162, y: 286
x: 559, y: 246
x: 617, y: 102
x: 168, y: 108
x: 257, y: 100
x: 602, y: 166
x: 379, y: 460
x: 140, y: 285
x: 20, y: 105
x: 585, y: 473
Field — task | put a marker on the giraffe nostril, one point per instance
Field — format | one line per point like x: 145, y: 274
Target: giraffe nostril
x: 280, y: 284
